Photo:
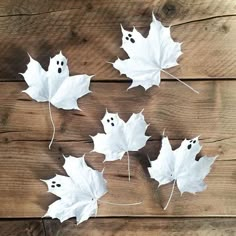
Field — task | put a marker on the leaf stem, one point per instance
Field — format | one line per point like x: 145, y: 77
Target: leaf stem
x: 172, y: 191
x: 120, y: 204
x: 180, y: 81
x: 53, y: 126
x: 128, y: 165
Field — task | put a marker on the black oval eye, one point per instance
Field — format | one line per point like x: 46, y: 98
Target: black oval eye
x: 194, y: 141
x: 129, y: 35
x: 190, y: 141
x: 53, y: 186
x: 62, y: 63
x: 108, y: 120
x: 112, y: 118
x: 53, y: 182
x: 127, y: 38
x: 57, y: 62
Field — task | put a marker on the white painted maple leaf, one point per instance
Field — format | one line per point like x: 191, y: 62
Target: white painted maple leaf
x: 148, y: 56
x: 55, y: 85
x: 120, y: 137
x: 79, y: 192
x: 181, y: 167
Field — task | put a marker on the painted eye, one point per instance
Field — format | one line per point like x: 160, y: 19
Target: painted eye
x: 112, y: 118
x: 126, y: 38
x: 132, y: 40
x: 57, y: 62
x: 194, y: 141
x: 129, y: 35
x: 62, y: 63
x: 108, y: 120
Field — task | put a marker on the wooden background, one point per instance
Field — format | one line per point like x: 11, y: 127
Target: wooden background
x: 88, y: 33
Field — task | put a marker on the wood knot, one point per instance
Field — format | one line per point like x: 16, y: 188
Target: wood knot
x: 6, y: 140
x: 63, y: 128
x: 4, y: 119
x: 89, y: 7
x: 224, y: 28
x: 169, y: 9
x: 73, y: 33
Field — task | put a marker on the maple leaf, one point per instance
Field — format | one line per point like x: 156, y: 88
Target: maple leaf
x: 55, y: 85
x: 120, y: 137
x: 148, y: 56
x: 79, y: 192
x: 181, y: 167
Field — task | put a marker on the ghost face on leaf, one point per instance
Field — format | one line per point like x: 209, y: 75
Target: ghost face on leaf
x: 55, y: 85
x: 120, y: 137
x: 79, y: 192
x: 150, y: 56
x: 181, y: 167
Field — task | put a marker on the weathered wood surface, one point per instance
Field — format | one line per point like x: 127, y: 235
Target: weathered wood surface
x: 26, y: 130
x: 173, y: 107
x: 120, y: 226
x: 21, y: 227
x: 144, y: 227
x: 89, y: 34
x: 23, y: 164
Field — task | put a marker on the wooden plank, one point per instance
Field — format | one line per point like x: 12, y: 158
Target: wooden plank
x: 170, y: 11
x: 89, y: 34
x: 21, y: 227
x: 173, y: 107
x: 22, y: 194
x: 144, y: 227
x: 25, y: 132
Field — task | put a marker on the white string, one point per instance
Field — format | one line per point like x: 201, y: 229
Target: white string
x: 53, y: 126
x: 180, y: 81
x: 120, y: 204
x: 172, y: 191
x: 128, y: 165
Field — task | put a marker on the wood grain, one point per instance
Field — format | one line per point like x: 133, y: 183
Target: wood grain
x: 21, y: 227
x: 144, y: 227
x: 173, y: 107
x: 22, y: 194
x: 88, y: 32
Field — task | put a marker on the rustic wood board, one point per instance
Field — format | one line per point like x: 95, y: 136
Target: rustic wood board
x: 173, y: 107
x: 120, y: 226
x: 26, y: 130
x: 89, y: 34
x: 24, y: 195
x: 21, y: 227
x: 144, y: 227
